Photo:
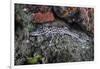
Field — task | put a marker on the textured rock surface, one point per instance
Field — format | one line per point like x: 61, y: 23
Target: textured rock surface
x: 88, y: 19
x: 52, y: 41
x: 69, y: 14
x: 77, y: 15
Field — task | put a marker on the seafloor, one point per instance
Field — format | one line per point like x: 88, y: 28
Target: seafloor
x: 53, y: 34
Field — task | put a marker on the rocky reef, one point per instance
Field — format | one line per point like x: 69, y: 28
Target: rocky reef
x: 53, y: 34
